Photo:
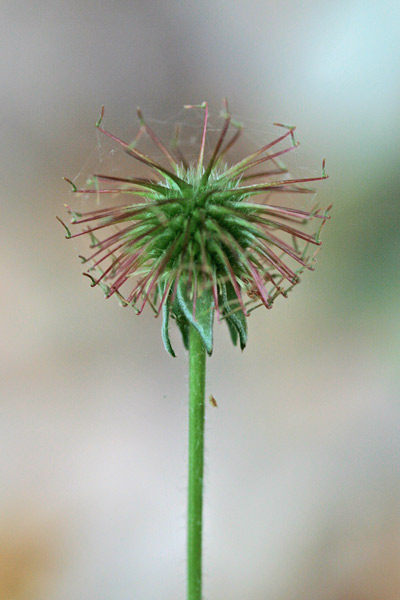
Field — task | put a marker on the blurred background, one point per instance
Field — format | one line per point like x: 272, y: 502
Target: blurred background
x: 302, y: 476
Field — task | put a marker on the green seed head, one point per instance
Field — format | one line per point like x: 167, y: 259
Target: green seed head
x: 202, y: 238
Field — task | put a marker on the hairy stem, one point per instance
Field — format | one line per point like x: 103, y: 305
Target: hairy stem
x: 197, y: 376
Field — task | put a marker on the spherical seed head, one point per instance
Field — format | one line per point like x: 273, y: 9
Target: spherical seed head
x: 201, y: 238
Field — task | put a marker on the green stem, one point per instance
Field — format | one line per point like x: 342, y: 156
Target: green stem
x: 197, y: 377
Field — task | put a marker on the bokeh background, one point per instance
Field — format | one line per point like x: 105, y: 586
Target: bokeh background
x: 302, y: 477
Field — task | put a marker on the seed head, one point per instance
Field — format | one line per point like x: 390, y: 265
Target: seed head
x: 204, y: 237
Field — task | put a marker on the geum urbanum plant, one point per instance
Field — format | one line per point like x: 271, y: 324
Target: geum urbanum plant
x: 199, y: 239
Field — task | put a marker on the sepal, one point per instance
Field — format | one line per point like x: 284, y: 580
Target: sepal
x: 165, y: 328
x: 202, y: 317
x: 182, y: 323
x: 233, y: 313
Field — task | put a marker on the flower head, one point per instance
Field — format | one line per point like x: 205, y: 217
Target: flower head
x: 204, y: 237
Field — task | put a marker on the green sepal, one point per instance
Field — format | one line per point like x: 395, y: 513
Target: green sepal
x: 166, y: 311
x: 233, y: 331
x: 203, y: 319
x: 234, y: 315
x: 174, y: 312
x: 182, y: 323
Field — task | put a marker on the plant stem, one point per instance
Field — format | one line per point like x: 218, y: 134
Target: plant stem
x: 197, y: 377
